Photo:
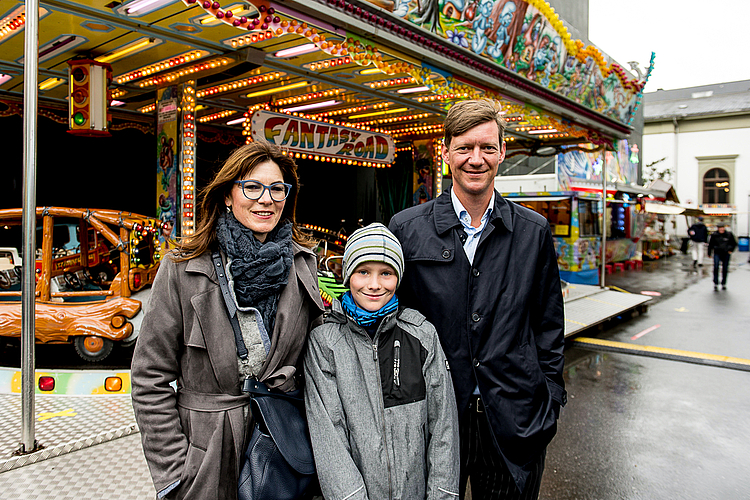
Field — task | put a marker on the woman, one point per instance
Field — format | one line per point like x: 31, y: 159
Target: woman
x: 194, y: 437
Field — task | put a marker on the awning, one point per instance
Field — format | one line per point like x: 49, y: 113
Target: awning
x: 661, y: 208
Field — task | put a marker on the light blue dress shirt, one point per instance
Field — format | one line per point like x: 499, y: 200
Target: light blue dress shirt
x: 473, y: 233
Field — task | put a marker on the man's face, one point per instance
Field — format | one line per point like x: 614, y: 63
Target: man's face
x: 473, y: 158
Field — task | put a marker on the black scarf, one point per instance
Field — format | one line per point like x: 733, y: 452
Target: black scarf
x: 260, y: 270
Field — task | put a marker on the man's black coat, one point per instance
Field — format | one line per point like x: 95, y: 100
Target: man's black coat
x: 500, y: 321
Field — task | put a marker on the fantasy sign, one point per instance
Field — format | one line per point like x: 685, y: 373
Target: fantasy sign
x: 310, y: 137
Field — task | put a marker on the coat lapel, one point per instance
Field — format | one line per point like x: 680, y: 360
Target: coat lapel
x: 215, y: 327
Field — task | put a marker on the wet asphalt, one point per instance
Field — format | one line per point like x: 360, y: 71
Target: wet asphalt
x: 637, y: 427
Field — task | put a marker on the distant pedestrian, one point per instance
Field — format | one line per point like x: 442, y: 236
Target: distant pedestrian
x: 699, y: 236
x: 722, y: 244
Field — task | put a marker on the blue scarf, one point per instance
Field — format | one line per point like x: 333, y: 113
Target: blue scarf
x: 364, y: 317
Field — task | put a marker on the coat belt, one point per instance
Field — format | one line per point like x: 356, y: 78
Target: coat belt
x: 203, y: 401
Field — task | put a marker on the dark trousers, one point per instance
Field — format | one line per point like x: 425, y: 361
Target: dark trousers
x: 722, y: 258
x: 480, y: 461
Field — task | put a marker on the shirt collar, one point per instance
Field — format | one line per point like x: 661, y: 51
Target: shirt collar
x: 463, y: 214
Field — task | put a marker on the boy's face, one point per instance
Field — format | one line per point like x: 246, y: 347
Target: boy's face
x: 372, y: 285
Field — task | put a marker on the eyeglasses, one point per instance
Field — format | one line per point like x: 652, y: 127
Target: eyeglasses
x: 253, y: 190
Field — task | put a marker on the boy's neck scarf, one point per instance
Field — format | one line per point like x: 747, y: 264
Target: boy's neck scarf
x: 260, y: 270
x: 364, y: 317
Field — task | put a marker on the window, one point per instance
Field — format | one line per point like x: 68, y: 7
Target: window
x: 716, y: 186
x: 588, y: 217
x: 555, y: 209
x: 716, y: 179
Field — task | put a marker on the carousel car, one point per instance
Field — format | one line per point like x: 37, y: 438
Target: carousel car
x: 93, y: 272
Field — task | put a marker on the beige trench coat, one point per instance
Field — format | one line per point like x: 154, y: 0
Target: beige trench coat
x: 197, y: 434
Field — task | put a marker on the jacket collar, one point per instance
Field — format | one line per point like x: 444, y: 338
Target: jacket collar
x: 446, y: 218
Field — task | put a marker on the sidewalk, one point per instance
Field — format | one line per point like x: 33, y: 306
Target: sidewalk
x: 690, y: 315
x: 671, y: 275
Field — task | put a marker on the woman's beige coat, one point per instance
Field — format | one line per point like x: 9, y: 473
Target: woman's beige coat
x: 197, y: 434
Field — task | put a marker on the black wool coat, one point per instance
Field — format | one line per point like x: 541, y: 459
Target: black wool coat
x: 500, y: 320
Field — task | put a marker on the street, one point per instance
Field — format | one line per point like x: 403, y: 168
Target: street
x: 636, y: 427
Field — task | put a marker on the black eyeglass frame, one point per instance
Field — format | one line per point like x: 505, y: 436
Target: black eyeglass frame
x: 262, y: 192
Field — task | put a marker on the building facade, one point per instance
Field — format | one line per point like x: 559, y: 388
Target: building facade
x: 702, y: 135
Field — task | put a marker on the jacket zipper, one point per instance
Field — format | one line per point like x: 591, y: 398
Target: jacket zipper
x: 382, y: 415
x: 396, y: 362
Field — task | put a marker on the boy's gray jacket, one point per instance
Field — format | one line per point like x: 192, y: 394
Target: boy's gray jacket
x: 382, y: 412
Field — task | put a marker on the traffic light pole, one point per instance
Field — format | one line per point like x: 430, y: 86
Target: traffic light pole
x: 30, y: 102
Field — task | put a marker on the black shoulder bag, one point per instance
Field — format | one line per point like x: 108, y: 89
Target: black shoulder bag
x: 278, y: 463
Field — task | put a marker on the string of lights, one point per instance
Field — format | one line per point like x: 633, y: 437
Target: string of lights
x: 245, y: 82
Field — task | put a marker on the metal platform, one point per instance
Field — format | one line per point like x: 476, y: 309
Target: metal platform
x: 82, y: 455
x: 112, y: 470
x: 587, y: 306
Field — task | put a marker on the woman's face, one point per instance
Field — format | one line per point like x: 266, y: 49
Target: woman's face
x: 261, y: 215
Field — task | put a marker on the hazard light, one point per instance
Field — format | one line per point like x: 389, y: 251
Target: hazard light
x: 113, y: 384
x: 46, y: 383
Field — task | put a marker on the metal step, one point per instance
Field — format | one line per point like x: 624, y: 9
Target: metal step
x: 587, y: 306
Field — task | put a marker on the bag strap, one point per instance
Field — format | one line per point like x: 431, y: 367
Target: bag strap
x: 257, y: 388
x: 231, y: 307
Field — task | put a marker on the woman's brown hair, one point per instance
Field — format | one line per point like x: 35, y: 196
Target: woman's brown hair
x: 238, y: 166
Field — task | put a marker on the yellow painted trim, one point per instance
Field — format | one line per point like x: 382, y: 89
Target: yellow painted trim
x: 663, y: 350
x: 576, y: 322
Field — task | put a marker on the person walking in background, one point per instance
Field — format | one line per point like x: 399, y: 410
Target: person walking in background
x: 484, y: 272
x: 699, y: 236
x: 379, y: 396
x: 722, y: 244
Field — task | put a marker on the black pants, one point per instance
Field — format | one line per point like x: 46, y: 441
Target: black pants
x: 722, y: 258
x: 480, y: 461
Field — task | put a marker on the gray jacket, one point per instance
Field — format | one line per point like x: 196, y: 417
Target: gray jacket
x: 382, y: 412
x: 197, y: 434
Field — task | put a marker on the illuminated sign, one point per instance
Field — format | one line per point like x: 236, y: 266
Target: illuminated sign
x: 313, y: 137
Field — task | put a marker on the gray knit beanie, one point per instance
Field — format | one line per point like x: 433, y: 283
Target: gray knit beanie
x: 374, y: 243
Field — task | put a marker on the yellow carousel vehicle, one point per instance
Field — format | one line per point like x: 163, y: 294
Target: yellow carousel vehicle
x: 94, y: 269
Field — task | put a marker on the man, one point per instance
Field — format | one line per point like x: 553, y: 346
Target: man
x: 699, y: 236
x: 484, y: 271
x: 722, y: 244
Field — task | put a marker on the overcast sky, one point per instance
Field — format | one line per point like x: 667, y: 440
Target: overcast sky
x: 696, y: 42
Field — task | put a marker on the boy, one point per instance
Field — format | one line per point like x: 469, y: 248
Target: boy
x: 379, y: 398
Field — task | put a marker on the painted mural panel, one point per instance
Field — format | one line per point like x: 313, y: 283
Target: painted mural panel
x: 166, y: 171
x: 621, y: 165
x: 528, y: 38
x: 424, y: 165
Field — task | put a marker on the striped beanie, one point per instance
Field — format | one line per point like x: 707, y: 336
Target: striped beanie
x: 374, y: 243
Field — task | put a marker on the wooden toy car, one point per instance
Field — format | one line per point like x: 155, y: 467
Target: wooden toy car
x: 94, y: 269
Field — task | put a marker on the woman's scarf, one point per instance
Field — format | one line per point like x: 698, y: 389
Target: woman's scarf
x: 364, y: 317
x: 260, y: 270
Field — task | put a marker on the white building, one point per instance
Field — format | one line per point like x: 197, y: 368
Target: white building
x: 703, y: 134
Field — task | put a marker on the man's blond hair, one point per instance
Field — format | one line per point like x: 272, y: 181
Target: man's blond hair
x: 465, y: 115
